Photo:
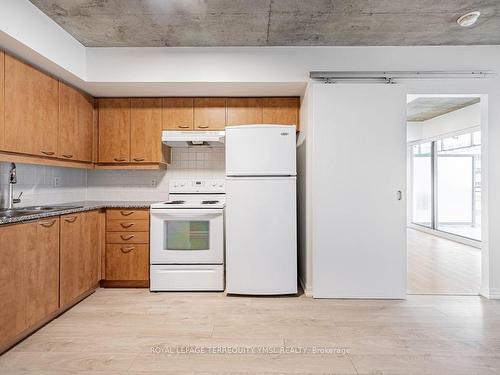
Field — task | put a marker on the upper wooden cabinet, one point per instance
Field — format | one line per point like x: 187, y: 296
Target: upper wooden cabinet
x: 178, y: 114
x: 145, y: 130
x: 284, y: 111
x: 2, y: 97
x: 244, y: 111
x: 75, y: 124
x: 31, y: 110
x: 209, y: 113
x: 114, y: 130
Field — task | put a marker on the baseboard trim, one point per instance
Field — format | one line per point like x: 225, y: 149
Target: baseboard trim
x: 494, y: 293
x: 125, y: 283
x: 307, y: 291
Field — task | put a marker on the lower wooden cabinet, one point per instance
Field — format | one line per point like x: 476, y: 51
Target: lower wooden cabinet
x: 127, y: 262
x: 127, y: 248
x: 79, y: 254
x: 29, y: 276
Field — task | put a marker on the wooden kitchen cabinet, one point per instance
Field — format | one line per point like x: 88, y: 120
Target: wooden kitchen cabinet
x: 31, y: 110
x: 284, y: 111
x: 209, y: 113
x: 79, y: 254
x: 75, y: 124
x: 127, y: 248
x: 145, y: 130
x: 41, y: 272
x: 29, y: 276
x: 244, y: 111
x: 114, y: 130
x: 15, y: 240
x: 178, y: 114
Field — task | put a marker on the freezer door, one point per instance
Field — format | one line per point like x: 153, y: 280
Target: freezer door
x: 261, y: 233
x: 260, y: 150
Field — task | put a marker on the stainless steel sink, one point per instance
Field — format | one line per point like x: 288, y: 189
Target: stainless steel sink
x: 32, y: 210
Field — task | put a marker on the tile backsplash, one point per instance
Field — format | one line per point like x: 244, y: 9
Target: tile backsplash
x: 48, y: 185
x: 153, y: 185
x: 43, y: 185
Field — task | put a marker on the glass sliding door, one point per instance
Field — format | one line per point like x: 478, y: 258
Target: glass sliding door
x: 446, y: 184
x: 422, y: 204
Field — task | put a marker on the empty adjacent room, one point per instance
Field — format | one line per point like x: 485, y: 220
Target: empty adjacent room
x: 249, y: 187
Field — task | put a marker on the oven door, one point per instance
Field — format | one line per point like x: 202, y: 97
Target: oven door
x: 185, y: 236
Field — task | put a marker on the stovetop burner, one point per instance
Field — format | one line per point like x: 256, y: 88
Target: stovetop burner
x: 175, y: 202
x: 209, y: 202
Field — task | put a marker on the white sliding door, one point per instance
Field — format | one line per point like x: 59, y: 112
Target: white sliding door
x: 358, y: 191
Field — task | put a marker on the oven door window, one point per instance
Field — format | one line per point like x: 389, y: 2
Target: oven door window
x: 187, y: 235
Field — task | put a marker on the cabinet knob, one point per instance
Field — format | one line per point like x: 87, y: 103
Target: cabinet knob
x: 70, y: 219
x: 67, y: 156
x: 126, y: 238
x: 203, y: 126
x: 127, y: 249
x: 120, y: 159
x: 47, y: 152
x: 47, y: 224
x: 183, y: 126
x: 126, y: 225
x: 138, y: 159
x: 126, y: 213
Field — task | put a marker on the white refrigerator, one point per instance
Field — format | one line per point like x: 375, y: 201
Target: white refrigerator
x: 261, y: 224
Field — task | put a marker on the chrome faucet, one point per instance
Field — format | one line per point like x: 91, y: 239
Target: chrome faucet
x: 12, y: 182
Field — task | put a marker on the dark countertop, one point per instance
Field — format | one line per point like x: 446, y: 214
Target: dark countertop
x: 86, y: 206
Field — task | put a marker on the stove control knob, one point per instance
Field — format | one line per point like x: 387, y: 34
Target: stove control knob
x: 214, y: 184
x: 221, y: 185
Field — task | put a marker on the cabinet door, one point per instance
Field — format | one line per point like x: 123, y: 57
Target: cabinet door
x: 73, y: 281
x: 209, y: 113
x: 244, y: 111
x: 75, y: 124
x: 14, y: 240
x: 31, y: 110
x: 114, y: 130
x: 283, y: 111
x: 2, y: 96
x: 178, y: 113
x: 145, y: 130
x: 90, y: 223
x: 127, y: 262
x: 41, y: 272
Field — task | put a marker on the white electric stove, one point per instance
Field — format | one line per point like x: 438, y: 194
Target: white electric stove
x: 187, y: 237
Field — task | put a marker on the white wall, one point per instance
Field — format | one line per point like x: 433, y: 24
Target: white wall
x: 38, y: 185
x: 451, y: 122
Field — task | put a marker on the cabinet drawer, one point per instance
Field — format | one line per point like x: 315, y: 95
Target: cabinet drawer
x: 127, y: 226
x: 128, y: 237
x: 121, y: 214
x: 127, y: 262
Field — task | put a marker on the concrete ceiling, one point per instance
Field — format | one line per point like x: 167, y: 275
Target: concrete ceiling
x: 423, y: 109
x: 160, y: 23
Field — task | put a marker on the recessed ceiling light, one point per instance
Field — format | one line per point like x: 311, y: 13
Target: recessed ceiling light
x: 468, y: 19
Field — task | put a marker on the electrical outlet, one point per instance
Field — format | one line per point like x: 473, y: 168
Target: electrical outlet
x: 153, y: 182
x: 57, y: 181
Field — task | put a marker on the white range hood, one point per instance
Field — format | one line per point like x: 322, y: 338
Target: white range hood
x: 174, y: 138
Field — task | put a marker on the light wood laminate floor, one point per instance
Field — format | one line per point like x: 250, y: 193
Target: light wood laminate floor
x: 440, y: 266
x: 118, y: 331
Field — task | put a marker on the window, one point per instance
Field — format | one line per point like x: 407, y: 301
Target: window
x: 446, y: 184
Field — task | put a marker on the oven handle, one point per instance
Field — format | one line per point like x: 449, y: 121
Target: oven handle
x: 191, y: 214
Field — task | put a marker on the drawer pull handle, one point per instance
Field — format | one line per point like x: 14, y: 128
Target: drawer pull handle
x: 183, y: 126
x: 67, y: 156
x: 138, y: 159
x: 47, y: 224
x: 126, y: 225
x: 126, y: 250
x: 120, y: 159
x: 127, y: 213
x: 126, y: 238
x: 203, y: 126
x: 47, y: 152
x: 70, y: 219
